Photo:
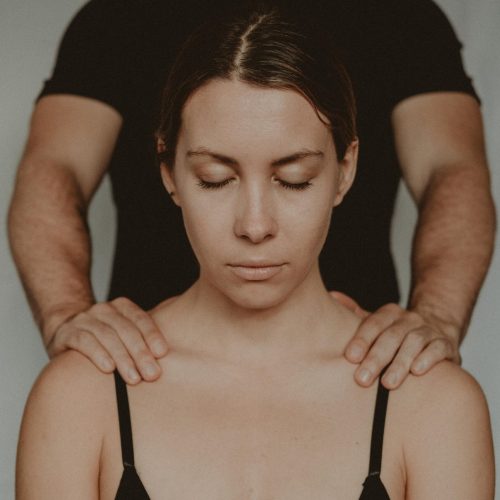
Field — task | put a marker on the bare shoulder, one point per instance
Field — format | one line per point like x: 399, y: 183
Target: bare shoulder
x: 69, y: 384
x: 444, y: 429
x: 446, y: 387
x: 71, y: 370
x: 63, y: 430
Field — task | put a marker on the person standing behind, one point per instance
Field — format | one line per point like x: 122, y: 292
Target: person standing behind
x: 418, y: 115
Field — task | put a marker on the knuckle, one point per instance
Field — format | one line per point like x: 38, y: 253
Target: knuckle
x: 137, y: 349
x: 416, y: 337
x: 141, y: 319
x: 151, y: 335
x: 372, y: 361
x: 132, y: 336
x: 143, y: 357
x: 381, y: 354
x: 119, y: 337
x: 414, y: 317
x: 391, y: 308
x: 399, y: 366
x: 375, y: 324
x: 122, y: 302
x: 86, y: 320
x: 101, y: 308
x: 79, y: 339
x: 393, y: 335
x: 105, y: 332
x: 361, y: 342
x: 440, y: 343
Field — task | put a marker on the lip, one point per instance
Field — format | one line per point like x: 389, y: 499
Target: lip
x: 252, y: 271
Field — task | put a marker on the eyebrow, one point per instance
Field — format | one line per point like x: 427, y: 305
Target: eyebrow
x: 280, y: 162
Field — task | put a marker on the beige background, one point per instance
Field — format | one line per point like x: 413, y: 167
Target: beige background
x: 29, y: 34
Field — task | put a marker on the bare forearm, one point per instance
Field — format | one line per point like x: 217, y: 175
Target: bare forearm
x: 452, y: 247
x: 50, y: 243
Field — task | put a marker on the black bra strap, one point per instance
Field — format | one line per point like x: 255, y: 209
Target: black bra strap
x: 378, y: 429
x: 124, y: 418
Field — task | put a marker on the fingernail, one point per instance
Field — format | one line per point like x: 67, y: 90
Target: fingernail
x: 133, y: 375
x: 364, y: 376
x: 106, y: 364
x: 420, y: 366
x: 390, y: 379
x: 355, y: 352
x: 150, y: 370
x: 158, y: 348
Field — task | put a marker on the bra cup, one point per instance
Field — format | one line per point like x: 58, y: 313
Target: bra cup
x: 131, y: 487
x: 374, y: 489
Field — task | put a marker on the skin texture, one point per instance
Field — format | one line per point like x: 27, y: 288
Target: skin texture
x: 256, y: 392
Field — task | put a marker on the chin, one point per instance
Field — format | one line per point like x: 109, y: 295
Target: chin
x: 257, y: 297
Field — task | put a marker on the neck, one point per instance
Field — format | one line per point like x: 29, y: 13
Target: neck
x: 307, y: 322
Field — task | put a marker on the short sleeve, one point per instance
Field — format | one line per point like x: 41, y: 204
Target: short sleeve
x: 91, y: 61
x: 426, y: 53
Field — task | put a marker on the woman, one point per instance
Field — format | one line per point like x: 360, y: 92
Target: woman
x: 257, y: 146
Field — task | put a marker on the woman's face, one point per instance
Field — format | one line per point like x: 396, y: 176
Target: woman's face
x: 256, y: 177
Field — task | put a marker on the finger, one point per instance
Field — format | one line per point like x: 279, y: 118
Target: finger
x: 370, y: 328
x: 86, y: 343
x: 413, y: 344
x: 385, y: 348
x: 70, y: 337
x: 350, y: 303
x: 108, y: 337
x: 122, y: 359
x: 145, y: 324
x: 438, y: 350
x: 131, y: 339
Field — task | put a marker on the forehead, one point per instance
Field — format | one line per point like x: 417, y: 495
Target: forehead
x: 237, y: 114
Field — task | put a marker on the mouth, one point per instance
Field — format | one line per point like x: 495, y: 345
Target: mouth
x: 252, y: 271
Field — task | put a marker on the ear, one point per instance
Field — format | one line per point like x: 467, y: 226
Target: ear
x: 347, y: 171
x: 167, y: 176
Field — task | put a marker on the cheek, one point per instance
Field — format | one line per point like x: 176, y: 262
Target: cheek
x: 306, y: 223
x: 307, y: 231
x: 207, y: 226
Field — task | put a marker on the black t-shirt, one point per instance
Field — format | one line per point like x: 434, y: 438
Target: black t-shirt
x: 120, y: 52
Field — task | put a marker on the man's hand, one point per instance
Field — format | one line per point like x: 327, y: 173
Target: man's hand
x: 406, y: 339
x: 113, y: 334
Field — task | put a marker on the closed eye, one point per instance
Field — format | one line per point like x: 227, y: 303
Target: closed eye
x: 287, y: 185
x: 298, y: 187
x: 213, y: 185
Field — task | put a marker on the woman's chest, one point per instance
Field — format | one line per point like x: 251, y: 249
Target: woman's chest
x: 255, y: 444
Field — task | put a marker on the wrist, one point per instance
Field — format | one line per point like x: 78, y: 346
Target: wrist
x: 51, y: 321
x: 440, y: 319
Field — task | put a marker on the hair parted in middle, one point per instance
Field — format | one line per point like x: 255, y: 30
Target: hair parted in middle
x: 265, y: 47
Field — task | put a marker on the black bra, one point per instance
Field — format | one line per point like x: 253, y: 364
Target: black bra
x: 131, y: 487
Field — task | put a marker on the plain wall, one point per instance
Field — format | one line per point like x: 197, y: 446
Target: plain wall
x: 29, y: 33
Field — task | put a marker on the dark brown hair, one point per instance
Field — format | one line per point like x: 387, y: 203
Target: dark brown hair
x: 266, y: 48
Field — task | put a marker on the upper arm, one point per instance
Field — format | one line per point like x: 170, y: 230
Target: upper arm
x: 60, y: 439
x: 71, y: 135
x: 448, y: 444
x: 436, y: 133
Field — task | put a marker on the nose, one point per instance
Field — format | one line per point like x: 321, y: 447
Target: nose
x: 254, y: 219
